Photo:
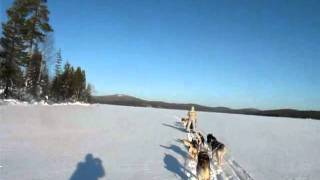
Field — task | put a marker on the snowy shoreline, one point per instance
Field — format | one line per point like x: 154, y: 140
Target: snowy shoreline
x: 12, y: 102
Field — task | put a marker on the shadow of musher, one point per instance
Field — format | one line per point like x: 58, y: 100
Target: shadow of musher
x: 90, y: 169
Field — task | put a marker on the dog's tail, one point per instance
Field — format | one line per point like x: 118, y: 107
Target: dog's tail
x: 227, y: 153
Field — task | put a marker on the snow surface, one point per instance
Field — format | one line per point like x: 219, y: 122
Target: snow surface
x: 55, y: 142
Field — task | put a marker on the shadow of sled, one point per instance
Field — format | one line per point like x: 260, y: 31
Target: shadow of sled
x: 90, y: 169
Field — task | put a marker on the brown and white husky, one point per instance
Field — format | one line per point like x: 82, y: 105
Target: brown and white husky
x: 203, y: 166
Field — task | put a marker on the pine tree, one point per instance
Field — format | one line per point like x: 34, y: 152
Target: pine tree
x: 79, y: 84
x: 83, y: 85
x: 2, y: 60
x: 36, y: 27
x: 66, y: 82
x: 37, y: 22
x: 88, y: 93
x: 58, y: 63
x: 70, y: 84
x: 14, y: 51
x: 34, y: 74
x: 56, y: 87
x: 48, y: 53
x: 10, y: 76
x: 27, y: 28
x: 44, y: 82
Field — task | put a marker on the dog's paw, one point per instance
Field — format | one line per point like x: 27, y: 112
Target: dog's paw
x: 192, y: 164
x: 219, y: 170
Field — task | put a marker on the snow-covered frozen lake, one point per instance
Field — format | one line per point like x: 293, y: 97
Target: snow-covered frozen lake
x: 118, y: 142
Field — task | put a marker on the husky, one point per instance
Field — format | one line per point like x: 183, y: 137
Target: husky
x: 199, y: 138
x: 203, y: 166
x: 184, y: 121
x: 193, y: 148
x: 218, y: 149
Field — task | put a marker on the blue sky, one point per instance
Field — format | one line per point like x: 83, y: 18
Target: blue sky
x: 263, y: 54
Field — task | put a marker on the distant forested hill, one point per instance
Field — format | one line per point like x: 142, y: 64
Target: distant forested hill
x: 133, y: 101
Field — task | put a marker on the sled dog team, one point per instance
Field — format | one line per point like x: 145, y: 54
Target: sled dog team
x: 198, y: 149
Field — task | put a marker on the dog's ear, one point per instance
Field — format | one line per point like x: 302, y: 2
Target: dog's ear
x: 201, y: 135
x: 209, y: 138
x: 202, y: 139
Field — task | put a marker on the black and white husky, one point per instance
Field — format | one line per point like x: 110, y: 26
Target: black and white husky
x: 218, y: 149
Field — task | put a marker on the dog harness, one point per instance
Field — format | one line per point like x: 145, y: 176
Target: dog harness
x: 215, y: 145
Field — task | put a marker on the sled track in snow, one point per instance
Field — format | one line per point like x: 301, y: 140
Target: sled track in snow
x: 231, y: 169
x: 240, y: 172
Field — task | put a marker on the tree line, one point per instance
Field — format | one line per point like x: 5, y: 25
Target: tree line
x: 24, y: 72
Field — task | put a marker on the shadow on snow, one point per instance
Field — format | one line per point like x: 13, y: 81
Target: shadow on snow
x: 90, y: 169
x: 175, y: 127
x: 173, y: 165
x: 176, y: 149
